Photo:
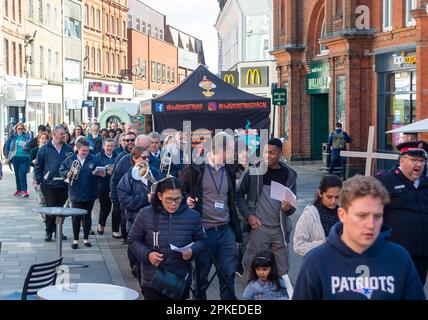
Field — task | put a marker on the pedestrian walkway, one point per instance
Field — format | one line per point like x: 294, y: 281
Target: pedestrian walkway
x: 22, y: 237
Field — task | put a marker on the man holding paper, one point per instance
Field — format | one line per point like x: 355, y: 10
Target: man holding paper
x: 267, y: 200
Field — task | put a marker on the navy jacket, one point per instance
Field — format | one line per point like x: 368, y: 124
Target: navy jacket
x: 47, y: 165
x: 407, y: 212
x: 333, y: 271
x: 132, y: 196
x: 85, y: 187
x: 180, y: 229
x: 103, y: 160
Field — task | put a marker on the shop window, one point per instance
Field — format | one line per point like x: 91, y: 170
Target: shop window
x: 153, y: 71
x: 410, y: 5
x: 387, y: 15
x: 340, y: 99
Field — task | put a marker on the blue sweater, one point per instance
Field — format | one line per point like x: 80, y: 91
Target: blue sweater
x: 333, y: 271
x: 47, y: 165
x: 265, y: 290
x: 85, y: 187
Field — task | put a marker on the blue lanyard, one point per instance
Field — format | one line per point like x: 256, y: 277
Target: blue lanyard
x: 221, y: 179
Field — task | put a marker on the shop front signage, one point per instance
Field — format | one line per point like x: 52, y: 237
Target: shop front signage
x: 231, y: 77
x: 318, y: 80
x: 404, y: 59
x: 255, y: 77
x: 105, y: 88
x: 34, y: 92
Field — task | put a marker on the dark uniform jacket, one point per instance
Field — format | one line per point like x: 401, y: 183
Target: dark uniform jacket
x: 407, y: 213
x: 104, y: 182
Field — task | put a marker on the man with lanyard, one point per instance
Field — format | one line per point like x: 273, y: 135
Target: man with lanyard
x: 46, y: 174
x: 211, y: 191
x: 407, y: 213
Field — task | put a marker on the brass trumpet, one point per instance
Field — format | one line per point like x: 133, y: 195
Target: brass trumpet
x: 142, y: 170
x: 166, y: 163
x: 74, y: 170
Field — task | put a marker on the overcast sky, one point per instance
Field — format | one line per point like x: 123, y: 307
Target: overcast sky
x: 195, y: 17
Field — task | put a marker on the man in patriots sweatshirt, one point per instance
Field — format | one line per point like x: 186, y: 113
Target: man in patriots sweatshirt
x: 357, y: 262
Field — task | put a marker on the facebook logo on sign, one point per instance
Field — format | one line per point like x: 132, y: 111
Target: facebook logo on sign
x: 159, y: 107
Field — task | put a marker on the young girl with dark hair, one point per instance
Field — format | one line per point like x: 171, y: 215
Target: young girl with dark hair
x: 178, y: 225
x: 264, y: 282
x: 315, y: 223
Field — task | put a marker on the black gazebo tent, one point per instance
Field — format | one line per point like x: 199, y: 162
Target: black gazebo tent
x: 209, y: 103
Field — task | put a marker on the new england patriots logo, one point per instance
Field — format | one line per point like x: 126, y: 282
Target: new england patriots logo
x: 367, y: 292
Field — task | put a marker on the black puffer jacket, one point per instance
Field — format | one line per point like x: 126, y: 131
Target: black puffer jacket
x: 180, y: 229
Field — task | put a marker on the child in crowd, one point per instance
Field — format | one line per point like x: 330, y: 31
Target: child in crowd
x: 264, y: 282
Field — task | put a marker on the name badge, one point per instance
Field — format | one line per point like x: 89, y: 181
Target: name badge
x: 91, y: 165
x: 219, y: 205
x: 402, y: 186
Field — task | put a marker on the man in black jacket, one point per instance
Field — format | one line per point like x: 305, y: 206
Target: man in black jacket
x: 407, y: 213
x: 211, y: 191
x: 46, y: 174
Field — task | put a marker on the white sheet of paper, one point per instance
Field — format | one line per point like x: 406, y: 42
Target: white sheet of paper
x: 100, y: 169
x: 281, y: 193
x: 182, y: 249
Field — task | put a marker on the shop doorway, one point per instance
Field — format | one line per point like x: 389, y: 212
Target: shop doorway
x: 319, y: 124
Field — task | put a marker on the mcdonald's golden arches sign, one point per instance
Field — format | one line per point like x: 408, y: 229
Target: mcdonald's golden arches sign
x: 231, y: 77
x: 255, y: 77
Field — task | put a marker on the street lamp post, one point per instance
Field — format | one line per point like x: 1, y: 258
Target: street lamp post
x: 28, y: 39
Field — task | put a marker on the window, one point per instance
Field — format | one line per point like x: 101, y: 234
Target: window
x: 387, y: 15
x: 143, y: 27
x: 256, y: 31
x: 410, y: 5
x: 400, y: 103
x: 138, y: 24
x: 93, y: 59
x: 41, y: 11
x: 20, y: 59
x: 57, y: 21
x: 149, y: 29
x: 123, y: 29
x: 129, y: 21
x: 106, y: 23
x: 56, y: 76
x: 113, y: 65
x: 137, y: 61
x: 143, y: 70
x: 19, y: 11
x: 107, y: 63
x: 153, y: 71
x: 30, y: 9
x: 72, y: 28
x: 12, y: 9
x: 6, y: 56
x: 118, y: 63
x: 13, y: 58
x: 339, y: 8
x: 117, y: 27
x: 31, y: 56
x: 92, y: 17
x: 340, y: 99
x: 112, y: 24
x: 86, y: 14
x: 98, y: 60
x: 72, y: 70
x: 159, y: 72
x: 124, y: 62
x: 48, y: 15
x: 86, y: 59
x: 168, y: 74
x: 97, y: 20
x: 49, y: 64
x: 172, y: 74
x: 6, y: 8
x: 156, y: 32
x: 163, y: 73
x: 42, y: 62
x: 161, y: 34
x: 323, y: 48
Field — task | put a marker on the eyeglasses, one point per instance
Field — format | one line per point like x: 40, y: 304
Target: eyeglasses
x: 59, y: 126
x: 20, y: 129
x: 143, y: 157
x: 173, y: 200
x: 415, y: 161
x: 129, y: 140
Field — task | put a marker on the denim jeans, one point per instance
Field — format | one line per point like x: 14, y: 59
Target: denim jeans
x: 20, y: 166
x: 335, y: 155
x: 224, y: 249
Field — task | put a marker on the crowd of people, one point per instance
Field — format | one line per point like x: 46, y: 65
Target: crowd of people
x: 178, y: 220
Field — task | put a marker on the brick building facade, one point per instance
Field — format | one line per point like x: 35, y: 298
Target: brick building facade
x: 353, y: 61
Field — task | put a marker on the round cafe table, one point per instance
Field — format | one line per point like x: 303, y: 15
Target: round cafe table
x: 87, y: 291
x: 60, y: 213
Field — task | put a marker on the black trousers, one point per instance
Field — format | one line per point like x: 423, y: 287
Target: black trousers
x: 116, y: 217
x: 54, y: 197
x: 421, y: 264
x: 87, y: 220
x: 105, y: 208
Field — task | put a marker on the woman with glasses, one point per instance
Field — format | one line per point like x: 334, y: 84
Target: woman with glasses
x: 17, y: 154
x: 83, y: 190
x: 77, y: 132
x: 178, y: 225
x: 134, y: 194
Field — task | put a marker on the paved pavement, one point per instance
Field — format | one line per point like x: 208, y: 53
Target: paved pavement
x: 22, y: 237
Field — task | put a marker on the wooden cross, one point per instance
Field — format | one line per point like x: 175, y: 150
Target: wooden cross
x: 369, y: 155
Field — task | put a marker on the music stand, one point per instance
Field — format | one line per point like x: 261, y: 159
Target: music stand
x: 60, y: 213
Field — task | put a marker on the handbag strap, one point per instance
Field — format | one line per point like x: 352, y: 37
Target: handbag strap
x: 156, y: 230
